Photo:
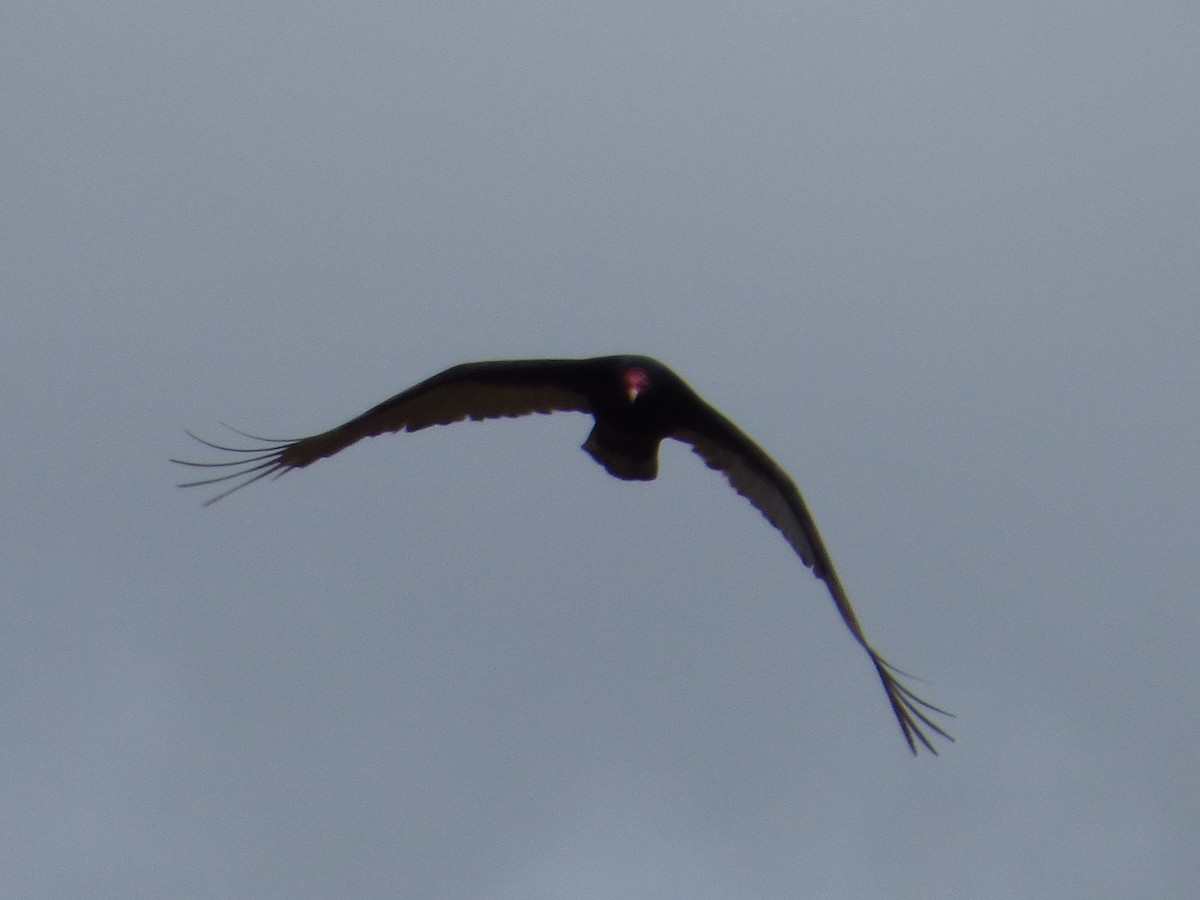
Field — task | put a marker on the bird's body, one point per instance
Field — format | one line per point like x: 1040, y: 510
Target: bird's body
x: 636, y: 403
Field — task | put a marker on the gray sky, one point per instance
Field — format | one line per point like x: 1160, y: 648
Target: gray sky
x: 941, y: 260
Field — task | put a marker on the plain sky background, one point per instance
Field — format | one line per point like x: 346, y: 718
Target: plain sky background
x: 941, y: 259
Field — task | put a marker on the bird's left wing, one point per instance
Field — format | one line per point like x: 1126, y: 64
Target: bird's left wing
x: 753, y: 474
x: 480, y: 390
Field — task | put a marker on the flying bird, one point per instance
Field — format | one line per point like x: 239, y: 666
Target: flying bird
x: 636, y: 402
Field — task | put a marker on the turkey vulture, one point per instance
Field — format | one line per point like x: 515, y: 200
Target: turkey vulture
x: 636, y: 402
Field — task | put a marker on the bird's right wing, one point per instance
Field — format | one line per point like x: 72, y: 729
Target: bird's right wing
x: 480, y: 390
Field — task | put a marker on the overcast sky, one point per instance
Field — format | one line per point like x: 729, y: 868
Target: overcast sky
x: 941, y: 259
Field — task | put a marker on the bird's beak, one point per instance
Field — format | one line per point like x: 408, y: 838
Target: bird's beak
x: 636, y: 381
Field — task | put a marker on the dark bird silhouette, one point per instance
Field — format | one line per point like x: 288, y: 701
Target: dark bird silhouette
x: 636, y: 403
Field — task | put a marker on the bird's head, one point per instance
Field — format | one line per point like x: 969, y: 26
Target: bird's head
x: 637, y: 382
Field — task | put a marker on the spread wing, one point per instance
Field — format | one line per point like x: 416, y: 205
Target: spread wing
x: 758, y: 478
x: 481, y: 390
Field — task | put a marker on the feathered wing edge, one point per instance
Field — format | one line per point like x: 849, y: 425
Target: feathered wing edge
x: 758, y: 478
x: 911, y: 711
x: 252, y: 464
x: 483, y: 390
